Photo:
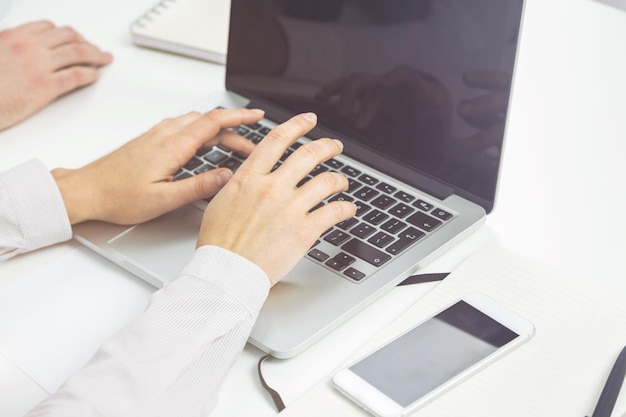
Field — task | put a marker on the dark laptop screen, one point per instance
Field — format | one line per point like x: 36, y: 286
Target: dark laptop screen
x: 423, y: 82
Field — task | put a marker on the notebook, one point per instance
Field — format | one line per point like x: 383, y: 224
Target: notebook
x: 579, y: 332
x: 388, y: 78
x: 195, y: 28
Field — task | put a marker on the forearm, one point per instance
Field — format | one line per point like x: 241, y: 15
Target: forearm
x: 173, y: 358
x: 32, y: 213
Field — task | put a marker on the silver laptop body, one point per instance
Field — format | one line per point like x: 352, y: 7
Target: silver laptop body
x: 400, y: 153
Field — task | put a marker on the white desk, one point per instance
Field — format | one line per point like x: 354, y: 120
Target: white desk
x: 561, y: 191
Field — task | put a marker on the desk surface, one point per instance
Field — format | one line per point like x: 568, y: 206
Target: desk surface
x: 560, y: 194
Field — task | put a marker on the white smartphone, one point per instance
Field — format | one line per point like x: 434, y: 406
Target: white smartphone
x: 433, y: 356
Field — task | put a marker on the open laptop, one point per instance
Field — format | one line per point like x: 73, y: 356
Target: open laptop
x: 389, y: 78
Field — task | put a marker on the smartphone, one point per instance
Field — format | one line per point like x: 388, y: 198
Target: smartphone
x: 433, y: 356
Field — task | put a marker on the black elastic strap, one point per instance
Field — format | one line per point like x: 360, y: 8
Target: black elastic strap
x: 612, y: 387
x: 278, y: 401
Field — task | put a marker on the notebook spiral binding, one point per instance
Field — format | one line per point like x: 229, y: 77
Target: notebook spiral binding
x: 154, y: 11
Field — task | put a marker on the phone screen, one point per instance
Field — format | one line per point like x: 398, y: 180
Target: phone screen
x: 433, y: 352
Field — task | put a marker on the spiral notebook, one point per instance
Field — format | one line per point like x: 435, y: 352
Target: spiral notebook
x: 195, y: 28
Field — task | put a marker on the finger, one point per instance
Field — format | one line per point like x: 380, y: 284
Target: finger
x: 198, y: 187
x: 273, y: 146
x: 71, y: 78
x: 306, y: 158
x: 56, y: 36
x: 205, y: 128
x: 231, y: 140
x: 322, y: 186
x: 173, y: 125
x: 490, y: 80
x: 330, y: 214
x: 35, y: 27
x: 78, y: 53
x: 488, y: 104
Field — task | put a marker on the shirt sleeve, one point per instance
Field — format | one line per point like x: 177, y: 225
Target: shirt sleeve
x: 172, y: 359
x: 32, y: 212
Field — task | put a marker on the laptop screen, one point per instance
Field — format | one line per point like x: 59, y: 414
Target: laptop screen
x: 416, y: 87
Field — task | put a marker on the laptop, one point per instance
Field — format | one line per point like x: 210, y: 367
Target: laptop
x: 418, y: 92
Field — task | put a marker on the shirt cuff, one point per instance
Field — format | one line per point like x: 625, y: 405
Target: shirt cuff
x: 232, y: 273
x: 37, y: 205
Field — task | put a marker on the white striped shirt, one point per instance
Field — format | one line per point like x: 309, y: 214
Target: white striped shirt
x: 172, y: 359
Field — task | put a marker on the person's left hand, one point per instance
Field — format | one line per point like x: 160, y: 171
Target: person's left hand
x: 134, y: 183
x: 39, y: 62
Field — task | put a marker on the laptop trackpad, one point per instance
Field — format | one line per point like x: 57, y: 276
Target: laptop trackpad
x: 163, y: 246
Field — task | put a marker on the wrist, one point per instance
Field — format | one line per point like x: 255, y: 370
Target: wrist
x: 76, y: 196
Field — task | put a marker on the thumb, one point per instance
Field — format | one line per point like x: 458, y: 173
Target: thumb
x: 206, y: 184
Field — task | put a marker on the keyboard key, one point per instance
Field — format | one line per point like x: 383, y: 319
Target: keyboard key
x: 318, y: 255
x: 340, y: 261
x: 406, y: 238
x: 383, y: 202
x: 341, y: 197
x: 404, y: 196
x: 347, y: 224
x: 336, y: 237
x: 401, y: 210
x: 368, y: 179
x: 254, y: 126
x: 366, y: 252
x: 422, y: 205
x: 215, y: 157
x: 241, y: 130
x: 353, y: 185
x: 354, y: 274
x: 254, y: 137
x: 232, y: 164
x: 375, y: 217
x: 264, y: 130
x: 380, y: 239
x: 361, y: 208
x: 333, y: 163
x: 386, y: 188
x: 363, y: 230
x: 318, y: 169
x: 193, y: 163
x: 424, y: 221
x: 393, y: 226
x: 366, y: 193
x: 350, y: 171
x: 202, y: 169
x: 442, y: 214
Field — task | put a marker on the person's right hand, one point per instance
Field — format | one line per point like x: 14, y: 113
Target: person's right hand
x: 40, y: 62
x: 263, y: 215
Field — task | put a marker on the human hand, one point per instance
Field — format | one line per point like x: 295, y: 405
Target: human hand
x: 40, y: 62
x: 486, y: 112
x: 134, y: 183
x: 263, y: 215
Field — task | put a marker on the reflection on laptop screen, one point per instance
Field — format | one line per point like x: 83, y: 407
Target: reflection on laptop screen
x: 423, y: 82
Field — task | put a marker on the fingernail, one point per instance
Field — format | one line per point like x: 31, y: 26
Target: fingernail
x: 311, y: 117
x: 339, y: 143
x: 258, y: 111
x: 223, y: 177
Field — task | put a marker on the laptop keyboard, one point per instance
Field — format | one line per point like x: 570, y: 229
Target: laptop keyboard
x: 387, y: 222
